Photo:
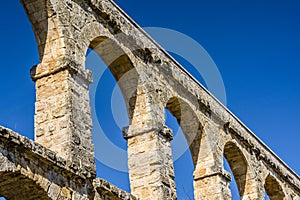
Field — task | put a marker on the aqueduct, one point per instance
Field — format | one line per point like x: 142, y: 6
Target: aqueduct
x: 59, y: 164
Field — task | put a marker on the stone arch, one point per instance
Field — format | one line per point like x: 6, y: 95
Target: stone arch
x: 120, y: 66
x: 48, y: 30
x: 189, y: 123
x: 238, y: 165
x: 14, y: 185
x: 113, y: 55
x: 39, y: 24
x: 273, y: 188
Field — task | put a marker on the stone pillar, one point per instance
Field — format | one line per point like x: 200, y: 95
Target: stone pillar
x: 62, y: 113
x: 150, y: 163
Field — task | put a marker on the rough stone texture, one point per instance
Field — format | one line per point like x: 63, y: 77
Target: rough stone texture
x: 62, y: 116
x: 109, y: 192
x: 150, y: 164
x: 59, y: 165
x: 31, y: 171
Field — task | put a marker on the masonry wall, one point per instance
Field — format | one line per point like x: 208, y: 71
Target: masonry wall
x: 150, y: 81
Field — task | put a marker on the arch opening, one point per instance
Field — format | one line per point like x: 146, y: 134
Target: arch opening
x: 189, y: 123
x: 121, y: 68
x: 112, y: 95
x: 183, y: 166
x: 273, y: 189
x: 233, y: 186
x: 238, y: 166
x: 185, y: 146
x: 17, y: 108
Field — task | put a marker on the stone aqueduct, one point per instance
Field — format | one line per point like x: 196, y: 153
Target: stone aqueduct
x: 59, y: 164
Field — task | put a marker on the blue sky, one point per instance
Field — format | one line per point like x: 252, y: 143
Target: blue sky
x: 255, y: 45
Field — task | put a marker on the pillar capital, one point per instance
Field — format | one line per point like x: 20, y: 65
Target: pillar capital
x: 43, y: 70
x: 212, y: 184
x: 132, y: 131
x: 150, y: 163
x: 222, y: 173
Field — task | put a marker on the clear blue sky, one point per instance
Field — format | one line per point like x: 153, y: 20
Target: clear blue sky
x: 255, y: 45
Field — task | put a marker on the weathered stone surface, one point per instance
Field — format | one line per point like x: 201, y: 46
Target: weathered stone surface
x: 60, y: 164
x: 107, y: 191
x: 30, y: 171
